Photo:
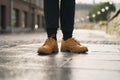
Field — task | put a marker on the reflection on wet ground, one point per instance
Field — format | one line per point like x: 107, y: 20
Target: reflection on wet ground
x: 23, y: 63
x: 19, y: 60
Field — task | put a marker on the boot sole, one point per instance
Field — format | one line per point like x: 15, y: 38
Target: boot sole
x: 45, y: 53
x: 71, y: 51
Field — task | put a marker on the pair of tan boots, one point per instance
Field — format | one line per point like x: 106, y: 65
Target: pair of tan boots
x: 70, y: 45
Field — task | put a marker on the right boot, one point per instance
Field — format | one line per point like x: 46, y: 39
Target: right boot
x: 49, y: 47
x: 72, y: 45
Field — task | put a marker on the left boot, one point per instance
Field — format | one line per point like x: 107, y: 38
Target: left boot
x: 49, y: 47
x: 71, y: 45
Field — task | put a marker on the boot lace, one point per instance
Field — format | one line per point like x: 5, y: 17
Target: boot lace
x: 48, y: 41
x: 74, y: 40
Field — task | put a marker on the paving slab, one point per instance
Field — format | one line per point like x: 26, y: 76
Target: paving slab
x: 102, y: 62
x: 19, y: 59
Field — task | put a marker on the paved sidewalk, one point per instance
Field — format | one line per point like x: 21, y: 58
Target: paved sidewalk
x: 102, y: 62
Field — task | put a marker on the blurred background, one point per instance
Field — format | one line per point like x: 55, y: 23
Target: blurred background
x: 22, y: 31
x: 21, y: 15
x: 27, y: 15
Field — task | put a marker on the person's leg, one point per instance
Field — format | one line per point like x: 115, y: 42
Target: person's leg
x: 67, y: 22
x: 67, y: 13
x: 51, y: 12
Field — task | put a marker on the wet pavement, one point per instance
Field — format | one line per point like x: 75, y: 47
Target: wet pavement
x: 21, y: 62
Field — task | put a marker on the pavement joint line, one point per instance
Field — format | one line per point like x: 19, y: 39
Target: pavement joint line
x: 54, y: 67
x: 26, y: 67
x: 100, y: 69
x: 65, y: 62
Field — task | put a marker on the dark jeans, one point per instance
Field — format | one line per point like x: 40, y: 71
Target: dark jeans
x: 65, y: 12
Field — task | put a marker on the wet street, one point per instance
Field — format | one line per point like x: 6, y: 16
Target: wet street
x: 19, y: 60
